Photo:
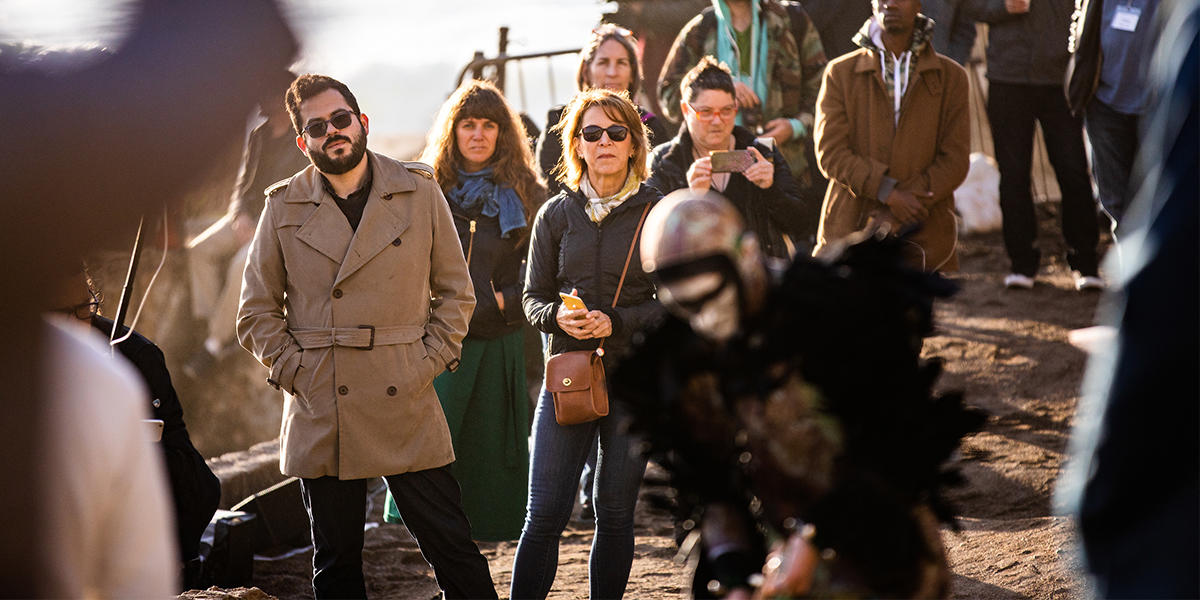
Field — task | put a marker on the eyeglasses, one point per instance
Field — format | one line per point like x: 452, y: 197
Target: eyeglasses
x: 592, y: 133
x: 707, y: 112
x: 81, y: 311
x: 340, y: 120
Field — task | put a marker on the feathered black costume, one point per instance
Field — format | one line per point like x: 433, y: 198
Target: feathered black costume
x: 818, y: 411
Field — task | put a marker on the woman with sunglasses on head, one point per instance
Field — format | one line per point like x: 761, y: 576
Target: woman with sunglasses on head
x: 610, y: 61
x: 480, y: 159
x: 584, y: 240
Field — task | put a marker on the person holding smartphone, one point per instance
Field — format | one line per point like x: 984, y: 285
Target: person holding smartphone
x: 580, y: 243
x: 712, y: 153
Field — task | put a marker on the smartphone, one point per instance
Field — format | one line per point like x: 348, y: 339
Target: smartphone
x: 154, y: 429
x: 731, y: 161
x: 572, y: 302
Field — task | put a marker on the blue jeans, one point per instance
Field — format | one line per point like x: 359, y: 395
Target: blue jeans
x: 558, y: 455
x: 1114, y: 138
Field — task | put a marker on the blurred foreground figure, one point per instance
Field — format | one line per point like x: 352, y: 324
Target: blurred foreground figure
x: 794, y: 411
x: 106, y: 508
x: 85, y: 152
x: 1134, y: 482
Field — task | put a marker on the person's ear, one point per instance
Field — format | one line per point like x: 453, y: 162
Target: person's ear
x: 302, y: 144
x: 683, y: 107
x: 749, y: 253
x: 362, y: 118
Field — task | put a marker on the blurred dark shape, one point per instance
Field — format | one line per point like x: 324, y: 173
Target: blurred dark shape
x: 85, y: 151
x: 1135, y: 480
x: 195, y: 491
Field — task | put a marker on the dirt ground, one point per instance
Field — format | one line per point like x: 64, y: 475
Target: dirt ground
x: 1007, y: 350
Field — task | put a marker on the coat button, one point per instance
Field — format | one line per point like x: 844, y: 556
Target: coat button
x: 343, y: 390
x: 337, y: 292
x: 396, y: 242
x: 391, y: 391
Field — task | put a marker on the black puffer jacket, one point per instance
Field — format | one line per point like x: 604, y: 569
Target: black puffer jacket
x: 769, y: 213
x: 568, y: 250
x: 549, y: 145
x: 495, y: 266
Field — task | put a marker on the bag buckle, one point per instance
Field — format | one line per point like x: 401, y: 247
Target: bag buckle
x: 371, y: 343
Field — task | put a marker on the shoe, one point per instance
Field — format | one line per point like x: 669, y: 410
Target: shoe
x: 587, y: 512
x: 1088, y: 283
x: 1017, y: 281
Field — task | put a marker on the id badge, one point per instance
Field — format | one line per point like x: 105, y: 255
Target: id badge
x: 1126, y: 18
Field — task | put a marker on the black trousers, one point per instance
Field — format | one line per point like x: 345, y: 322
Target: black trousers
x: 431, y: 504
x: 1012, y: 110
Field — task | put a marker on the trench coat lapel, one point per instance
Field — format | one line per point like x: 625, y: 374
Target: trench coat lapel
x: 384, y: 218
x: 326, y: 229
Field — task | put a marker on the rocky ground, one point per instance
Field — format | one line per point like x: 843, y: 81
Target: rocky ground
x: 1007, y: 350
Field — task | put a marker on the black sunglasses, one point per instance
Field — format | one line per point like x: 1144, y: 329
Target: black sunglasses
x: 592, y: 133
x: 339, y: 120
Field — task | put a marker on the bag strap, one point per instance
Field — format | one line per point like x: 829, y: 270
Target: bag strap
x: 628, y: 257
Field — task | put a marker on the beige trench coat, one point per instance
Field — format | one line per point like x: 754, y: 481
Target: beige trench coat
x: 312, y: 290
x: 857, y: 143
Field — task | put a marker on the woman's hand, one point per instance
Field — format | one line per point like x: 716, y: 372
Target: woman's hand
x: 762, y: 172
x: 499, y: 300
x: 597, y: 325
x: 699, y: 175
x: 572, y: 321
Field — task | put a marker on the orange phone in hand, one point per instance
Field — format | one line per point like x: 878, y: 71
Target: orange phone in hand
x: 572, y: 302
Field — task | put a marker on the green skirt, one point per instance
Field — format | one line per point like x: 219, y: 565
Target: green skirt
x: 488, y: 412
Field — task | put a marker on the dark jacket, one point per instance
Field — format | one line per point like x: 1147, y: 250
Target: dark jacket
x: 194, y: 488
x: 568, y: 250
x: 1029, y: 48
x: 495, y: 265
x: 771, y: 213
x: 549, y: 145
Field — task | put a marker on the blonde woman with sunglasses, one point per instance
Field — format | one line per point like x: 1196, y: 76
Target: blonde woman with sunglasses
x: 580, y: 245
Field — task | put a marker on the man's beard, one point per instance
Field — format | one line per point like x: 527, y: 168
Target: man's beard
x: 336, y: 166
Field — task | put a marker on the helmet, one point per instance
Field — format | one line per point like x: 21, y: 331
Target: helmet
x: 687, y: 226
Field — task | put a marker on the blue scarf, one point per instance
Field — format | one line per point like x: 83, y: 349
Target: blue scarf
x: 727, y: 50
x: 476, y: 194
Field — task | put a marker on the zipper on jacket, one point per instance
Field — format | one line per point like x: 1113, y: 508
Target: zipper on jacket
x: 471, y: 242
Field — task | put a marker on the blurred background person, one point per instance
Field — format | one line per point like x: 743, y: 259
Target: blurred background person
x: 1026, y: 62
x: 483, y: 164
x: 217, y: 257
x: 776, y: 57
x: 195, y: 490
x: 610, y: 60
x: 582, y: 239
x: 1121, y: 95
x: 69, y: 187
x: 1133, y: 482
x: 763, y: 191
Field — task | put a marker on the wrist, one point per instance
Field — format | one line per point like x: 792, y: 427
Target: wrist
x: 798, y: 129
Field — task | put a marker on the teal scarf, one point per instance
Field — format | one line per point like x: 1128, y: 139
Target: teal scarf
x: 727, y: 51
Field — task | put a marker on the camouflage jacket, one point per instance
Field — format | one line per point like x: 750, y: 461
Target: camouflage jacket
x: 793, y: 82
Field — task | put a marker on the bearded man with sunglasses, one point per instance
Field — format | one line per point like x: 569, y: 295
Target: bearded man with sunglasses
x: 762, y: 188
x: 355, y: 296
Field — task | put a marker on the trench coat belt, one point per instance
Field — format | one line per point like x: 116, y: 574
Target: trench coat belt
x: 365, y: 337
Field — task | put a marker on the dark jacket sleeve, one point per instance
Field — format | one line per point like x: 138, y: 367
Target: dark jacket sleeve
x: 665, y: 176
x: 784, y: 202
x: 541, y: 283
x: 988, y: 11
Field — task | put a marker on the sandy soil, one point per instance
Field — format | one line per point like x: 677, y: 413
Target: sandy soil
x: 1007, y: 350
